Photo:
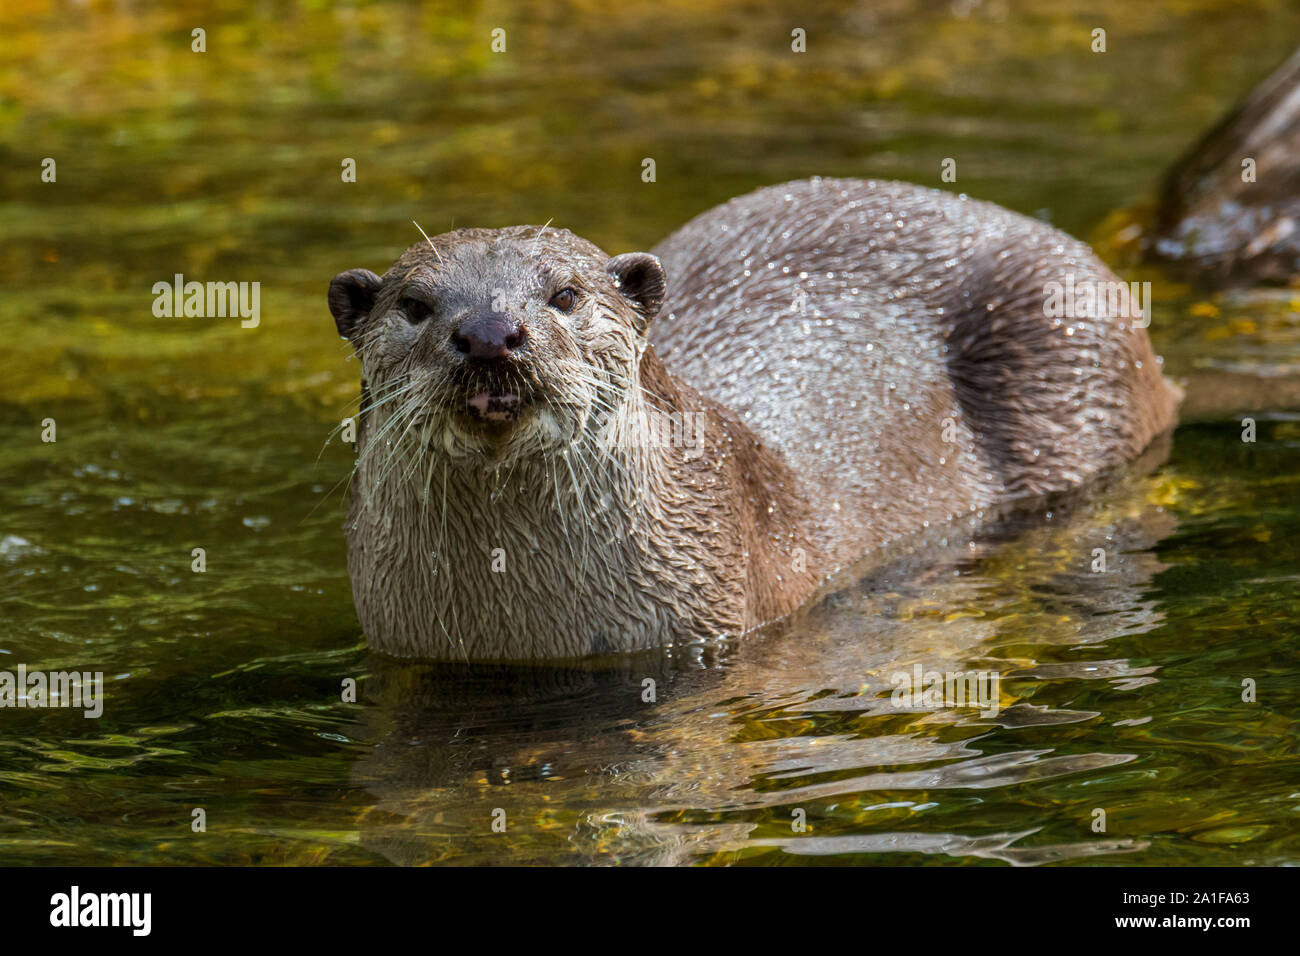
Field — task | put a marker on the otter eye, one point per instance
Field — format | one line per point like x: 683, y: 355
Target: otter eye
x: 416, y: 311
x: 564, y: 300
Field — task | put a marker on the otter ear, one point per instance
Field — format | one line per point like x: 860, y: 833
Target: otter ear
x: 640, y: 277
x: 352, y: 296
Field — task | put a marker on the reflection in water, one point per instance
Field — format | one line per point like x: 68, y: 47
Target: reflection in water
x: 740, y: 739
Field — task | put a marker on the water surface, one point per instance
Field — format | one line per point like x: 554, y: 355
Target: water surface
x: 1121, y: 691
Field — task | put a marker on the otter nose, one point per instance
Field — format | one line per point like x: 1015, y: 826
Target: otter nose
x: 488, y: 338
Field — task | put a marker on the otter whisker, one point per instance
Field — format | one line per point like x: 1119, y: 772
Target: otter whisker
x: 400, y: 449
x: 559, y: 509
x: 540, y: 232
x: 581, y: 496
x: 340, y: 426
x: 346, y: 479
x: 429, y: 241
x: 394, y: 448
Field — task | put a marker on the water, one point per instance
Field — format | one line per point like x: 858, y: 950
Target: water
x: 1121, y: 691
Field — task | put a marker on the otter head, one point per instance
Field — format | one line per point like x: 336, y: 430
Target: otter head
x: 497, y: 344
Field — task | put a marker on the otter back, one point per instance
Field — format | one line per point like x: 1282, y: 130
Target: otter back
x: 894, y: 345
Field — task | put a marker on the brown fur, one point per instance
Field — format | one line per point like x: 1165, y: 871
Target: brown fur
x: 829, y: 334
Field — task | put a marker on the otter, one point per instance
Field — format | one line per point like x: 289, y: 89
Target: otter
x: 562, y: 454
